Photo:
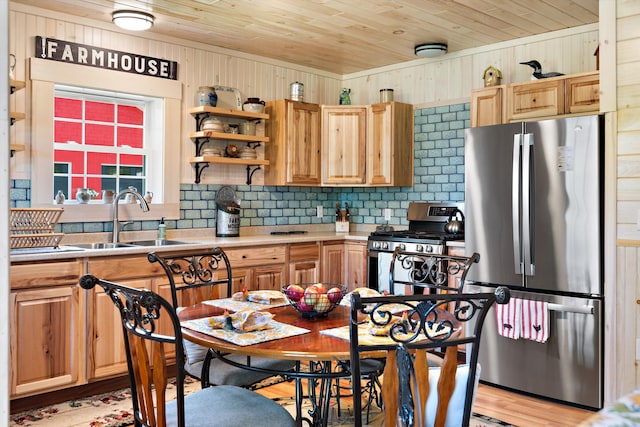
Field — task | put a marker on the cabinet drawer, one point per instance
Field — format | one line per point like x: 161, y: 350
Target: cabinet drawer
x: 31, y: 275
x: 244, y: 257
x: 304, y: 252
x: 119, y: 268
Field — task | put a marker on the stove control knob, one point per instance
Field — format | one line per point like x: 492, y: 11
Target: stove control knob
x: 419, y: 248
x: 429, y: 249
x: 385, y: 245
x: 376, y: 245
x: 402, y: 246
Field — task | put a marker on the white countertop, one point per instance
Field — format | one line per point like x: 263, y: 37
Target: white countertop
x: 191, y: 242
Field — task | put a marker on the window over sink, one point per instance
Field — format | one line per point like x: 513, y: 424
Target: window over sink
x: 118, y: 130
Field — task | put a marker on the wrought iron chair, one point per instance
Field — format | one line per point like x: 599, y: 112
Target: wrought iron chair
x: 429, y: 271
x: 147, y: 344
x: 203, y: 275
x: 414, y: 393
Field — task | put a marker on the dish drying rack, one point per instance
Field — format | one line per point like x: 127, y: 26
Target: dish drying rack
x: 33, y: 227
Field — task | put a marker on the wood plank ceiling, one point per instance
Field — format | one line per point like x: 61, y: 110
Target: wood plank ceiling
x: 342, y: 36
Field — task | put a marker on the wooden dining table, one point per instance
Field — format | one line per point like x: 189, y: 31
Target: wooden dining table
x: 320, y: 351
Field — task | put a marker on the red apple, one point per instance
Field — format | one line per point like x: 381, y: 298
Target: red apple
x: 335, y: 295
x: 303, y: 307
x: 311, y: 295
x: 294, y: 292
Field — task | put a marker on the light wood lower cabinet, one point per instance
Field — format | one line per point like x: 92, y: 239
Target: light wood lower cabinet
x: 304, y: 263
x: 46, y: 327
x: 45, y: 340
x: 333, y: 262
x: 106, y: 356
x: 355, y: 268
x: 262, y: 267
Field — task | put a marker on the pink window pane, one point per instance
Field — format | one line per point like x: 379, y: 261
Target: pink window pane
x: 98, y: 135
x: 131, y: 137
x: 130, y: 115
x: 67, y: 132
x: 76, y: 158
x: 131, y: 160
x: 95, y: 161
x: 99, y: 111
x: 68, y: 108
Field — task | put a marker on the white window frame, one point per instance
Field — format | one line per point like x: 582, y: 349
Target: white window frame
x: 45, y: 75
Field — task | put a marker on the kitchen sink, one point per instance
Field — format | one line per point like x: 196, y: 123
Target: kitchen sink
x: 162, y: 242
x: 102, y: 245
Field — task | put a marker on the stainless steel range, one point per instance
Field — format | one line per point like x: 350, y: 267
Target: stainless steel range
x: 426, y: 234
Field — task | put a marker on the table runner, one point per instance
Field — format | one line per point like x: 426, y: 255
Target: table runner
x: 277, y: 331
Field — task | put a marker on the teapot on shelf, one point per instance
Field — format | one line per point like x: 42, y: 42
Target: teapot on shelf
x: 455, y: 225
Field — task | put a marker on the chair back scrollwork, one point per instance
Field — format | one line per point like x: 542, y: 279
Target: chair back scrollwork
x: 413, y: 325
x: 196, y: 276
x: 419, y: 269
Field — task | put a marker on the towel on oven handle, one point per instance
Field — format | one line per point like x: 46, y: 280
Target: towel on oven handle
x: 509, y: 318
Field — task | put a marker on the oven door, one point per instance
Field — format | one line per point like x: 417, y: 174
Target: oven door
x: 379, y: 270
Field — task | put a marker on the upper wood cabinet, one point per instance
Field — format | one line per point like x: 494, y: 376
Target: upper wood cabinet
x: 390, y: 144
x: 487, y: 106
x: 582, y: 93
x: 344, y: 132
x: 535, y: 99
x: 294, y: 148
x: 367, y: 145
x: 545, y: 98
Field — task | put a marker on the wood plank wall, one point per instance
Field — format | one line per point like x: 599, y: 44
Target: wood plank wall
x: 627, y: 280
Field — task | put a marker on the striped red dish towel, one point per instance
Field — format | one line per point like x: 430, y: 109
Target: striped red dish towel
x: 535, y: 320
x: 509, y: 317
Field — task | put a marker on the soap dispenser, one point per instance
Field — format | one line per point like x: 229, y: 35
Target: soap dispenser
x: 162, y: 230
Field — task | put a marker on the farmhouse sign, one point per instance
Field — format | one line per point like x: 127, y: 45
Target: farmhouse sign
x: 75, y: 53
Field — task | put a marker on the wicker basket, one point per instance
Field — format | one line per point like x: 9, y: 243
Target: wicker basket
x: 33, y: 227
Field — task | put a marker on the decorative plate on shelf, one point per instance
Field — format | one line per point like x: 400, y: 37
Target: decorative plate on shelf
x: 228, y: 97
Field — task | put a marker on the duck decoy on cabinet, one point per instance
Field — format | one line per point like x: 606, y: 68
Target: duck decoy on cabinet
x: 537, y: 70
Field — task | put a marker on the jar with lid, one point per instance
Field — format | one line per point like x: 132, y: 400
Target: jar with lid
x: 206, y: 96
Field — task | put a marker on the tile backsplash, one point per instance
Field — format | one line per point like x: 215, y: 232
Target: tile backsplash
x: 438, y: 176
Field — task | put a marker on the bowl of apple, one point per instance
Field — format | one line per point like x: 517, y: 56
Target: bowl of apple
x: 314, y: 299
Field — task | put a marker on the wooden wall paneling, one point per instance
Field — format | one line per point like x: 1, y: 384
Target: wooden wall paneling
x: 628, y: 294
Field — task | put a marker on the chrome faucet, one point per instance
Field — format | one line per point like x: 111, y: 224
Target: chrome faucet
x: 117, y: 226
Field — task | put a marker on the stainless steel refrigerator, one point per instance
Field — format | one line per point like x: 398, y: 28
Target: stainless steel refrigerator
x: 533, y: 208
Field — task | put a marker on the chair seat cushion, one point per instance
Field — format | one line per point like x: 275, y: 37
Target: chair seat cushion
x: 231, y: 406
x: 458, y: 399
x: 223, y: 373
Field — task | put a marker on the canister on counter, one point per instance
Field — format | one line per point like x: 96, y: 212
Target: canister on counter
x: 386, y: 95
x: 296, y: 91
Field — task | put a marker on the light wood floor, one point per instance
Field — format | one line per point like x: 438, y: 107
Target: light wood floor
x: 522, y: 411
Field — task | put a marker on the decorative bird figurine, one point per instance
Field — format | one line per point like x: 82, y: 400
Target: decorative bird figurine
x: 537, y: 70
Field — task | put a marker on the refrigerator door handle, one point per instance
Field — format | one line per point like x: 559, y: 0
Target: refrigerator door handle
x: 583, y: 309
x: 527, y: 205
x: 515, y: 202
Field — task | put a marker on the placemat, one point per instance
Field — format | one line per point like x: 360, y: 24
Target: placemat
x: 231, y: 305
x: 365, y: 338
x: 277, y: 331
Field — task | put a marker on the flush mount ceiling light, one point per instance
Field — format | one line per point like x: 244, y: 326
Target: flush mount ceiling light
x: 430, y: 50
x: 132, y: 20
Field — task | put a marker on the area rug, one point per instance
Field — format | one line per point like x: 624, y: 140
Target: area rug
x: 114, y: 410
